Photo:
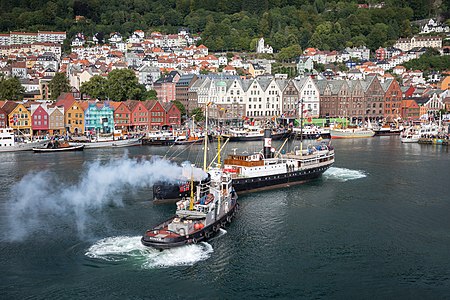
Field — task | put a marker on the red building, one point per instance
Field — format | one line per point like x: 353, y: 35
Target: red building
x: 392, y: 100
x: 39, y: 119
x: 156, y: 114
x: 410, y: 110
x: 173, y: 115
x: 407, y: 93
x: 139, y: 115
x: 122, y: 115
x: 380, y: 54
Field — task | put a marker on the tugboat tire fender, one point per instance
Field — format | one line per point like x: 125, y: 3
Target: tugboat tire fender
x: 194, y: 240
x: 229, y: 219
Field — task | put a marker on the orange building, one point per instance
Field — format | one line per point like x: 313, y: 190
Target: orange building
x: 73, y: 113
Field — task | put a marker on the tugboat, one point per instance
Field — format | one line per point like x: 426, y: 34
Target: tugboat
x: 197, y: 218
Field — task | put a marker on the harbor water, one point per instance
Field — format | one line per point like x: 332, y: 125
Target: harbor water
x: 376, y: 225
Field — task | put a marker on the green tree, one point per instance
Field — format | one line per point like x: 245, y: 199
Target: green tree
x: 150, y: 95
x: 198, y: 112
x: 289, y: 53
x: 180, y: 106
x: 11, y: 89
x: 96, y: 87
x: 58, y: 85
x: 123, y: 85
x: 378, y: 36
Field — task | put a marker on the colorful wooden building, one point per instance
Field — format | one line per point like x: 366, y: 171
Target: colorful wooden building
x: 73, y: 113
x: 139, y: 115
x: 156, y: 114
x: 19, y: 117
x: 99, y: 117
x: 173, y: 115
x: 39, y: 119
x: 122, y: 116
x: 56, y: 119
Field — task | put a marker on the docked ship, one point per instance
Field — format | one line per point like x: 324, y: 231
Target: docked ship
x: 310, y: 133
x: 387, y: 129
x: 159, y: 138
x: 264, y: 170
x: 9, y: 142
x: 250, y: 133
x: 351, y: 133
x: 198, y: 217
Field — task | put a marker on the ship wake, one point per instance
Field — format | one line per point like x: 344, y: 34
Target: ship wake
x: 343, y: 174
x: 126, y: 248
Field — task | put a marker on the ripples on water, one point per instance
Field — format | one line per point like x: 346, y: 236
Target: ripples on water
x: 375, y: 225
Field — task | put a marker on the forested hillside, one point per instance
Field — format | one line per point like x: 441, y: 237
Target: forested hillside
x: 230, y: 25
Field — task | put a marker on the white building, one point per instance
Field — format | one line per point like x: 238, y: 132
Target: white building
x: 434, y: 26
x: 51, y: 36
x: 407, y: 44
x: 262, y: 48
x: 309, y: 93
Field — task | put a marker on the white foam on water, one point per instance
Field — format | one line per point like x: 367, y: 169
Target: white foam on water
x: 343, y: 174
x: 125, y: 248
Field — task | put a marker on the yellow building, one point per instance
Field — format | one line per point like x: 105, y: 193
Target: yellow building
x: 73, y: 113
x: 19, y: 117
x: 445, y: 84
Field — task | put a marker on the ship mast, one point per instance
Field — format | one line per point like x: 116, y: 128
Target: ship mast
x: 301, y: 125
x: 218, y: 151
x: 191, y: 202
x: 206, y: 138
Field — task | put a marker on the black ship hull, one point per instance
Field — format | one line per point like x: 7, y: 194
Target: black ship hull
x: 387, y: 132
x: 194, y: 238
x: 170, y: 193
x: 243, y: 138
x: 157, y: 142
x: 243, y: 185
x: 313, y: 136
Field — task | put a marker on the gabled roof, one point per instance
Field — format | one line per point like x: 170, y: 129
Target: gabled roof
x: 149, y: 104
x: 9, y: 106
x: 66, y: 100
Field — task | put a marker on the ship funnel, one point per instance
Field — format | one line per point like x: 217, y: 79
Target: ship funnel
x: 267, y: 143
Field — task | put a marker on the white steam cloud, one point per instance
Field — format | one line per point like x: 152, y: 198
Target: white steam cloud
x: 40, y: 197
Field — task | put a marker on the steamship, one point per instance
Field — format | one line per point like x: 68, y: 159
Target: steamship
x: 265, y: 170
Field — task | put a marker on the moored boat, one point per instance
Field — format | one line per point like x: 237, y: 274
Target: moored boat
x: 10, y: 143
x: 197, y: 218
x: 109, y: 144
x: 159, y: 138
x: 410, y: 135
x: 351, y: 133
x: 58, y: 146
x: 250, y: 133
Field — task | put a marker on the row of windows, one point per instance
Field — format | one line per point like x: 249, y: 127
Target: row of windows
x: 40, y: 123
x: 77, y: 115
x: 38, y: 117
